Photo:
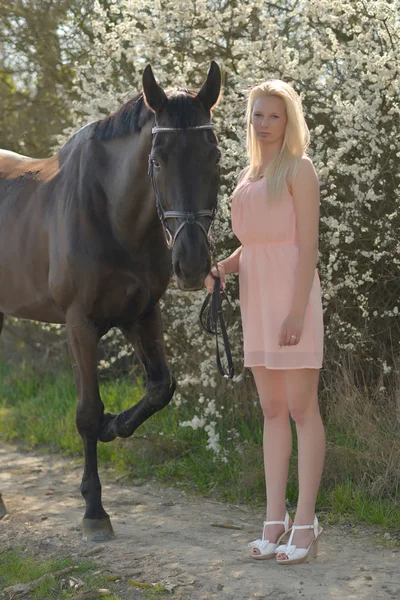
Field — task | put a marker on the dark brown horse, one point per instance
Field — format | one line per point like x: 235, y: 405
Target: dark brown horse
x: 83, y: 242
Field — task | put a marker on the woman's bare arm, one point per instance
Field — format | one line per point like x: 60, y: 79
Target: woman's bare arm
x: 231, y: 263
x: 305, y: 191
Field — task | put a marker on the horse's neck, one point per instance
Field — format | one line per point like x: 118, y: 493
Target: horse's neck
x: 127, y: 186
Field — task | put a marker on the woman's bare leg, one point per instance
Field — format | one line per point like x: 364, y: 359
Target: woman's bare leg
x: 277, y: 444
x: 301, y: 387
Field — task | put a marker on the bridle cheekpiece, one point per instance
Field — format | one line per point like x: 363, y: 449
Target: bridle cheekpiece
x: 189, y: 218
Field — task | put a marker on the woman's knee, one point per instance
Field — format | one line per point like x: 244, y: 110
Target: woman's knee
x: 302, y: 412
x: 271, y: 390
x: 274, y: 408
x: 302, y: 394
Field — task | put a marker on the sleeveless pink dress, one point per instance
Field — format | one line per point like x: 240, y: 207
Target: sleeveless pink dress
x: 266, y: 280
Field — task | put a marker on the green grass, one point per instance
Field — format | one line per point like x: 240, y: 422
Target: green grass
x: 18, y: 567
x: 346, y: 502
x: 40, y: 413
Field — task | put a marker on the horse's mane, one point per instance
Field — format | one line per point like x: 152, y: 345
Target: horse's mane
x: 130, y: 118
x: 182, y: 110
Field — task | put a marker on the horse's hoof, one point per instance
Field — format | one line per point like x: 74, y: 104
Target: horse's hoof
x: 97, y: 530
x: 3, y: 510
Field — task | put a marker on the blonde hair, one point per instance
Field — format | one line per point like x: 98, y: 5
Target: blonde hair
x: 295, y: 141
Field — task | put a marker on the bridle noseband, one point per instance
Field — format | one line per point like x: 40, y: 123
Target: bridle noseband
x: 189, y: 218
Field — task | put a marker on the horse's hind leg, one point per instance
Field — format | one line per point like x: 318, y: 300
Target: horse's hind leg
x: 1, y: 321
x: 146, y: 336
x: 83, y: 338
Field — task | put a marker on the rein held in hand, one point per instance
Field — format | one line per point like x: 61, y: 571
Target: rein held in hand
x: 210, y: 316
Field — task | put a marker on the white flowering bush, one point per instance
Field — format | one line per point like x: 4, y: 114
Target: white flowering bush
x: 343, y: 57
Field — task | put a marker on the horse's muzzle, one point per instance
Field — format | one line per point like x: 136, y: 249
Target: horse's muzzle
x: 190, y: 285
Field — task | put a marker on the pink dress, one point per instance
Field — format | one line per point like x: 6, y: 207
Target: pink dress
x: 266, y: 280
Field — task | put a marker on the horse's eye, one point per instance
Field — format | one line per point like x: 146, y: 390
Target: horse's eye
x: 155, y: 164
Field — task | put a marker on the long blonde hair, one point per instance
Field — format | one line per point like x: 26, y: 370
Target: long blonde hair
x: 295, y: 141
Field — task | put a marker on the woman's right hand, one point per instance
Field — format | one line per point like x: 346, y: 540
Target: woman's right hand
x: 209, y: 281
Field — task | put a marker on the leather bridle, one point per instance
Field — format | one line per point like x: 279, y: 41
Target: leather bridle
x: 188, y: 218
x: 211, y: 316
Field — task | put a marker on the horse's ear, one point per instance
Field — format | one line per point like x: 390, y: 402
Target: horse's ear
x: 154, y: 95
x: 209, y: 93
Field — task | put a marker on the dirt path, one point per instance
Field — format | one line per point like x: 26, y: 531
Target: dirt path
x: 165, y: 536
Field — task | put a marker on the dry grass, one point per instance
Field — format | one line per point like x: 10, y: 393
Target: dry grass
x: 363, y: 432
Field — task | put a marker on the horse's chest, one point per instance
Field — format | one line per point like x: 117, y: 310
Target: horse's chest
x: 126, y: 299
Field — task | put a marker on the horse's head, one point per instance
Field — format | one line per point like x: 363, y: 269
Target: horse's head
x: 184, y: 166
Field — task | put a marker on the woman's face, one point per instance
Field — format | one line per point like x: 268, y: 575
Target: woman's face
x: 269, y: 119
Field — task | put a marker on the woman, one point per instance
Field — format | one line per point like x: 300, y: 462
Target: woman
x: 275, y: 214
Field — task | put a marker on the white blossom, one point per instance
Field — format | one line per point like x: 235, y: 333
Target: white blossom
x: 343, y: 57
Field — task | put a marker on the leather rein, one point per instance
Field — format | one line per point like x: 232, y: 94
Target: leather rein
x: 211, y: 317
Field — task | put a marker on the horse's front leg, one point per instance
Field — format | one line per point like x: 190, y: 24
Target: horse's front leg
x: 146, y: 335
x: 83, y: 338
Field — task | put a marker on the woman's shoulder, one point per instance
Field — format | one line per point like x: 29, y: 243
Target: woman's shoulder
x: 306, y: 164
x: 241, y: 178
x: 302, y: 168
x: 243, y: 173
x: 303, y: 164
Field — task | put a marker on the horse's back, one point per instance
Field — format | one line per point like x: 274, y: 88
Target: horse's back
x: 14, y: 166
x: 4, y: 154
x: 25, y: 191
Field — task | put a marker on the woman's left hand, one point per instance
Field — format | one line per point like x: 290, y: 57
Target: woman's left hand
x: 291, y: 329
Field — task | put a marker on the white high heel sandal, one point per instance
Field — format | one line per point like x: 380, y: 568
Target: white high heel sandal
x: 266, y: 548
x: 299, y: 555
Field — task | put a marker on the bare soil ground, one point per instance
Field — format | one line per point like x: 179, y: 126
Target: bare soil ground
x: 169, y: 537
